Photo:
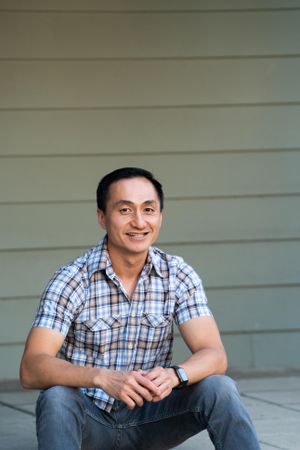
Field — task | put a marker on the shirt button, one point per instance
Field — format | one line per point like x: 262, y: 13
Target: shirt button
x: 130, y: 345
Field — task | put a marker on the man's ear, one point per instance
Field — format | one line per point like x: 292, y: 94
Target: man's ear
x: 101, y: 218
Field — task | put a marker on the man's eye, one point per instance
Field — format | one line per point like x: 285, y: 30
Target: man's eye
x: 125, y: 211
x: 149, y: 210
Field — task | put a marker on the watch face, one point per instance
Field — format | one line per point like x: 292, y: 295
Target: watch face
x: 182, y: 375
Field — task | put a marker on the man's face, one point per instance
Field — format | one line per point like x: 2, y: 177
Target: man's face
x: 133, y: 218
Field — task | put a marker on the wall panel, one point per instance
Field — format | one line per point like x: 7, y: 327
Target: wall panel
x: 75, y: 84
x: 204, y: 94
x: 210, y: 175
x: 145, y: 5
x: 139, y: 131
x: 189, y: 35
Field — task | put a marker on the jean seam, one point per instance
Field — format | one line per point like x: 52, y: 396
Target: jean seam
x: 93, y: 416
x: 212, y: 432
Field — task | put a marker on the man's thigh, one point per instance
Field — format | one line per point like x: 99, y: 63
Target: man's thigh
x: 160, y: 425
x: 156, y: 426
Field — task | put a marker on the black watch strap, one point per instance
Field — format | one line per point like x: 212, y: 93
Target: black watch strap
x: 181, y: 375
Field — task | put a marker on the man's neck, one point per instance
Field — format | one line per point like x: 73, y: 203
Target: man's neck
x: 127, y: 267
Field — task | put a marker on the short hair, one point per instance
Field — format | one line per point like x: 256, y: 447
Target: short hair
x: 124, y: 173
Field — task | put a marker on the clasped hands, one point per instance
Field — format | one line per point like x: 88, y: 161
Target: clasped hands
x: 135, y: 387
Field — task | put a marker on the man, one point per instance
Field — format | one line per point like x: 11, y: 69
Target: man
x: 101, y: 343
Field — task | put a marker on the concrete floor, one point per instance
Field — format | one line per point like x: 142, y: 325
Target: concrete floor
x: 273, y: 403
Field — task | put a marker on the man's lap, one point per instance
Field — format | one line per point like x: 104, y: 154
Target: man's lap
x: 159, y: 425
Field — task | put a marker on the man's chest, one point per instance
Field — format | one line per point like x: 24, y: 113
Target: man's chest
x: 118, y: 327
x: 153, y: 296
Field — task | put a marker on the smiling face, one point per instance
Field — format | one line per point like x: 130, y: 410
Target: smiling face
x: 132, y: 218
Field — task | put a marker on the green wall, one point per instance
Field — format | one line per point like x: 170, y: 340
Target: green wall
x: 206, y: 95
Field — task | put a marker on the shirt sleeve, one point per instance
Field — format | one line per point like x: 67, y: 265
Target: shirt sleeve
x: 191, y: 299
x: 61, y: 300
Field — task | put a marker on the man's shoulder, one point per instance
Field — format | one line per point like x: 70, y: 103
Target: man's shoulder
x: 171, y: 262
x: 80, y: 268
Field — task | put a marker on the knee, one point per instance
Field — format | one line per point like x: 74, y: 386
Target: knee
x: 218, y: 389
x: 59, y: 398
x: 222, y: 385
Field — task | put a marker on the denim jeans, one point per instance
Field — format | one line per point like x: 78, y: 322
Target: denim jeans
x: 68, y: 420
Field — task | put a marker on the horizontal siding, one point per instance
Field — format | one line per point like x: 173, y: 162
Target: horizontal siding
x: 73, y: 84
x: 243, y: 264
x: 286, y: 344
x: 210, y: 175
x: 46, y: 226
x: 145, y: 5
x: 187, y: 35
x: 220, y: 265
x: 256, y: 310
x: 139, y: 131
x: 11, y: 355
x: 255, y: 351
x: 258, y: 350
x: 204, y: 94
x: 22, y: 321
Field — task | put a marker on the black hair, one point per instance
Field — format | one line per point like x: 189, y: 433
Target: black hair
x: 123, y: 173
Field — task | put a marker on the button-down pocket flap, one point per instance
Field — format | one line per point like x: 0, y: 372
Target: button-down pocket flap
x: 154, y: 320
x: 104, y: 323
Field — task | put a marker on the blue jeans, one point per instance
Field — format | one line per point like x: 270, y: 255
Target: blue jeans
x: 68, y: 420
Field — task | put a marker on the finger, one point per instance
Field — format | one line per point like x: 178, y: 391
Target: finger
x: 128, y: 401
x: 148, y: 385
x: 132, y: 397
x: 136, y: 383
x: 154, y: 373
x: 164, y: 393
x: 145, y: 393
x: 161, y: 377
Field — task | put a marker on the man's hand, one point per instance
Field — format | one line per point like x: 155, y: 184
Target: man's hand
x: 164, y: 379
x: 132, y: 388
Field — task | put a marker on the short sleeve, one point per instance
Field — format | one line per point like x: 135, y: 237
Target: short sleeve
x: 191, y: 299
x: 61, y: 300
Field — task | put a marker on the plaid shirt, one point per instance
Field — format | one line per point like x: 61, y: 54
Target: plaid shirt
x: 86, y: 301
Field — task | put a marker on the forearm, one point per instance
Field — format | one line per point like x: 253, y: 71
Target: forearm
x: 41, y: 371
x: 205, y: 362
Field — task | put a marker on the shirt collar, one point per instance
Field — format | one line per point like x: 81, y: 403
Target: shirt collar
x: 99, y: 259
x: 155, y: 260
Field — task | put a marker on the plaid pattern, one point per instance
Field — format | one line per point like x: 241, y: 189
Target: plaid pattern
x: 86, y: 301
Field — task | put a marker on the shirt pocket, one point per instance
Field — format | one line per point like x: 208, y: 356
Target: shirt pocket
x: 156, y: 336
x: 99, y: 335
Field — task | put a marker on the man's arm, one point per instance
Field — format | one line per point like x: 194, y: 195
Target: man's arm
x: 41, y: 369
x: 208, y: 357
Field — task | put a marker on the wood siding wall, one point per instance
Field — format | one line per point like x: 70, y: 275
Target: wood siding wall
x: 207, y: 96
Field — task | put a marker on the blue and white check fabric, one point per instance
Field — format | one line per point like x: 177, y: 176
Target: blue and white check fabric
x: 103, y: 327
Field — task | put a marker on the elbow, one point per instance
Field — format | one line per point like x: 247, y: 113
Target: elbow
x: 223, y: 363
x: 25, y: 377
x: 24, y: 381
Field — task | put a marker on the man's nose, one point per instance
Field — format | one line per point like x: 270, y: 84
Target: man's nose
x: 138, y: 220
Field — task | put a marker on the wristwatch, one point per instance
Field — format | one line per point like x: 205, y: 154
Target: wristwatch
x: 181, y: 375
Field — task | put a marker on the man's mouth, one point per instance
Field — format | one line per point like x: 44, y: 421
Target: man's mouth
x: 137, y: 235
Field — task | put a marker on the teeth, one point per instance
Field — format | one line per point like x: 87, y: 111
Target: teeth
x: 137, y: 234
